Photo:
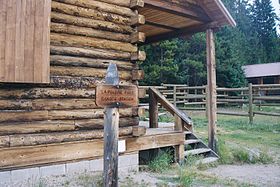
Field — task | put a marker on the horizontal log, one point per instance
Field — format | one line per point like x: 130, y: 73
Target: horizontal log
x: 138, y: 131
x: 37, y: 127
x: 137, y: 74
x: 99, y: 123
x: 59, y: 126
x: 89, y: 13
x: 267, y: 98
x: 89, y: 62
x: 138, y: 20
x: 46, y: 104
x: 106, y: 7
x: 233, y: 113
x: 138, y: 37
x: 87, y: 22
x: 80, y: 82
x: 4, y: 141
x: 125, y: 3
x: 138, y: 56
x: 60, y: 137
x: 268, y: 114
x: 40, y: 93
x: 135, y: 4
x: 83, y: 41
x: 62, y: 152
x: 90, y: 32
x: 86, y: 72
x: 90, y: 53
x: 24, y: 116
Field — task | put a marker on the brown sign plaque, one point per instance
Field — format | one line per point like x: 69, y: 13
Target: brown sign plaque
x: 116, y: 96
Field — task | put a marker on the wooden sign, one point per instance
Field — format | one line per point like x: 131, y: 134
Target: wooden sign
x: 116, y: 96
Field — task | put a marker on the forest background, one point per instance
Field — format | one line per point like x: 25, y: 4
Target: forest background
x: 253, y: 41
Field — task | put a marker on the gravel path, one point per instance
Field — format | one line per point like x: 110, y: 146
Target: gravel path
x: 258, y: 175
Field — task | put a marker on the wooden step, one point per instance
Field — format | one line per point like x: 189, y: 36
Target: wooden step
x: 207, y: 160
x: 197, y: 151
x: 187, y: 132
x: 191, y: 141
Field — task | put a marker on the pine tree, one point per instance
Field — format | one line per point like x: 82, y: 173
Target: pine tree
x: 264, y: 23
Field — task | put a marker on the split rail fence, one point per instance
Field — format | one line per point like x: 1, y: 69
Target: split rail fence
x: 250, y: 99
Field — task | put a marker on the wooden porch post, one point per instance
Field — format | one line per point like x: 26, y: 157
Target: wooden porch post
x: 212, y: 89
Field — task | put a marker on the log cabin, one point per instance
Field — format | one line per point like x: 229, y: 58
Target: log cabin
x: 53, y: 53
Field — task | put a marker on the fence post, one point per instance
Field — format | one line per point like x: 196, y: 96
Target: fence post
x: 251, y: 113
x: 174, y: 95
x: 153, y: 110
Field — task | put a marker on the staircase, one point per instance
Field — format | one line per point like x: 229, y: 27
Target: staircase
x: 193, y: 145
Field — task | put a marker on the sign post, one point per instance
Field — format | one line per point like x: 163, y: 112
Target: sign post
x: 112, y: 96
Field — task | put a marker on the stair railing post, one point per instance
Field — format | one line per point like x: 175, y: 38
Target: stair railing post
x: 153, y: 110
x: 251, y: 113
x: 174, y: 95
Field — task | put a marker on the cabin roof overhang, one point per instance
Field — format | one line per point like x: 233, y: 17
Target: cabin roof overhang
x: 166, y: 19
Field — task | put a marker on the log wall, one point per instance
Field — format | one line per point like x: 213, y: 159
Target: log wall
x: 86, y: 35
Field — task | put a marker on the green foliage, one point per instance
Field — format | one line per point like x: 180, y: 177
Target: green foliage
x: 161, y: 163
x: 254, y: 40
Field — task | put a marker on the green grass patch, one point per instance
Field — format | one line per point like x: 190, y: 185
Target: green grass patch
x: 161, y: 163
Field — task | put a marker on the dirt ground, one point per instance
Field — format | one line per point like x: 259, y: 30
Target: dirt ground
x: 257, y: 175
x: 250, y: 175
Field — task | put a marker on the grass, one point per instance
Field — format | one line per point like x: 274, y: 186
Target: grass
x: 161, y: 163
x: 238, y: 143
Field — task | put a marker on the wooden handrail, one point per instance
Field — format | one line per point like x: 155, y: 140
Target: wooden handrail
x: 157, y: 97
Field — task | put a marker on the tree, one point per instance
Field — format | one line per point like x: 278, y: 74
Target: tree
x: 264, y: 23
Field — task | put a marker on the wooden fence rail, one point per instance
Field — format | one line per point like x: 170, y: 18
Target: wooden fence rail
x: 194, y: 98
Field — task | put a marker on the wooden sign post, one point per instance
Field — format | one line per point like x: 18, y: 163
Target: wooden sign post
x: 111, y: 96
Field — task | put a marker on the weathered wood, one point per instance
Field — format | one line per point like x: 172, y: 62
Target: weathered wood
x: 105, y: 7
x: 36, y: 127
x: 178, y: 123
x: 40, y: 93
x: 179, y: 153
x: 135, y: 4
x: 62, y: 152
x: 212, y: 93
x: 90, y: 32
x: 82, y: 41
x: 251, y: 102
x: 89, y: 13
x: 87, y: 22
x: 137, y: 74
x: 117, y: 96
x: 99, y: 123
x: 124, y: 3
x: 20, y: 116
x: 154, y: 141
x: 138, y: 20
x: 24, y: 53
x: 90, y: 53
x: 267, y: 114
x: 142, y: 93
x: 171, y: 108
x: 60, y: 60
x: 46, y: 104
x: 153, y: 110
x: 60, y: 125
x: 137, y: 37
x: 138, y: 56
x: 59, y: 137
x: 85, y: 72
x: 138, y: 131
x: 111, y: 129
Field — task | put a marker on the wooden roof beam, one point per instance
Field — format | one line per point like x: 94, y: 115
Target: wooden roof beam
x: 160, y: 25
x: 190, y: 11
x: 181, y: 32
